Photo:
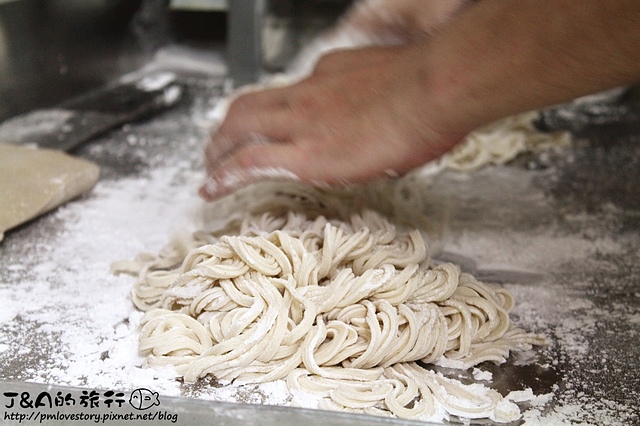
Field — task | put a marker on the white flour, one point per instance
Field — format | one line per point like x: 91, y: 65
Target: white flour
x: 67, y: 294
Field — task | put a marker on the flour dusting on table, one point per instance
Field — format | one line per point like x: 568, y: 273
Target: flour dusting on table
x: 67, y: 320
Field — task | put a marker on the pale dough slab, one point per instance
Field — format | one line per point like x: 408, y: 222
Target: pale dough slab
x: 34, y: 181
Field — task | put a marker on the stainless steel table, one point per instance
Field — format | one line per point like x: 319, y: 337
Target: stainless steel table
x: 561, y: 230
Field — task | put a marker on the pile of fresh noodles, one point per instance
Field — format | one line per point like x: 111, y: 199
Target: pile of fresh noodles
x: 501, y: 142
x: 343, y: 309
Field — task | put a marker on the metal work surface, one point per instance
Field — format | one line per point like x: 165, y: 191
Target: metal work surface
x: 561, y: 230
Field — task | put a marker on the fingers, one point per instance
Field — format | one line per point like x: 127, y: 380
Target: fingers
x: 351, y: 125
x: 250, y: 117
x: 246, y: 147
x: 314, y: 160
x: 253, y: 163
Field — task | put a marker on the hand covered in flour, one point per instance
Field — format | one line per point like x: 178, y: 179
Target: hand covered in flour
x: 371, y: 111
x: 358, y: 117
x: 314, y: 142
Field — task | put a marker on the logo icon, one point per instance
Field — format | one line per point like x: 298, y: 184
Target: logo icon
x: 143, y: 399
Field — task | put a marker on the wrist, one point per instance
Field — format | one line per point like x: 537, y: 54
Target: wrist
x: 501, y: 58
x: 441, y: 97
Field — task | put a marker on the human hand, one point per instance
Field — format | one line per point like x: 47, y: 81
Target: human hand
x: 326, y: 130
x: 380, y: 110
x: 348, y: 122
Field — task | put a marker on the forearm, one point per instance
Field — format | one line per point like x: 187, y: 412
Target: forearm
x: 502, y: 57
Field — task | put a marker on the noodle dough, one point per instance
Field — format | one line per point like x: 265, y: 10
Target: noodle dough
x: 338, y: 308
x: 34, y: 181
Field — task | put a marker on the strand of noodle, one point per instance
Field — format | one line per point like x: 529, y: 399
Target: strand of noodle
x: 406, y: 341
x: 236, y: 290
x: 439, y: 284
x: 375, y: 335
x: 239, y: 351
x: 312, y: 340
x: 463, y: 340
x: 334, y: 351
x: 401, y: 285
x: 406, y: 391
x: 212, y: 299
x: 309, y: 315
x: 425, y: 338
x: 440, y: 342
x: 359, y: 396
x: 267, y: 372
